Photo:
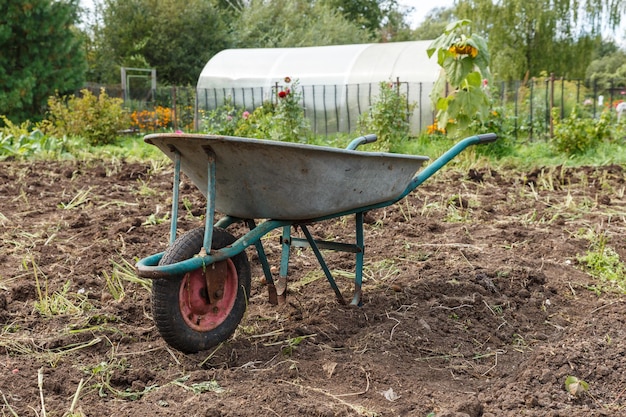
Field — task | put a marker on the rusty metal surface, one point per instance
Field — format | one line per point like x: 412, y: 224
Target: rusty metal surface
x: 286, y: 181
x: 215, y: 275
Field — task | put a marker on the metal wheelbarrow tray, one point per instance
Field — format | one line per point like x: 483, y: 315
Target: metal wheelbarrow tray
x: 202, y: 281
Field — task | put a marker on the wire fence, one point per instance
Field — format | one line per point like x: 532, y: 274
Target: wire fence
x: 526, y: 106
x: 329, y: 108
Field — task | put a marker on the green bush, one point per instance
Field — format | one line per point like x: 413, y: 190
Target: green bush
x: 223, y: 120
x: 575, y: 135
x: 496, y: 122
x: 281, y: 119
x: 24, y: 141
x: 97, y: 119
x: 388, y: 118
x: 258, y: 123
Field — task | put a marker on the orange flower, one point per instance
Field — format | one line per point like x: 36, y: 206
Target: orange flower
x: 159, y: 118
x: 434, y: 129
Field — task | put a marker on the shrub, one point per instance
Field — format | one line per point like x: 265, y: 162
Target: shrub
x: 281, y: 120
x: 575, y: 135
x: 388, y: 117
x: 496, y: 122
x: 222, y: 120
x: 97, y: 119
x: 258, y: 123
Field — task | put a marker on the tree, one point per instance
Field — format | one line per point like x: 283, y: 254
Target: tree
x: 385, y: 20
x: 434, y: 24
x: 531, y: 37
x: 177, y: 37
x: 602, y: 72
x: 294, y: 23
x: 41, y: 54
x: 101, y: 62
x: 368, y: 14
x: 395, y: 28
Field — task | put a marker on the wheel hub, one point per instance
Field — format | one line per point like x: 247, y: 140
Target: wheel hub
x: 207, y: 295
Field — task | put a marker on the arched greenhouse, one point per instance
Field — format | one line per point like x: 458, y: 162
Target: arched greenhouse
x: 338, y: 83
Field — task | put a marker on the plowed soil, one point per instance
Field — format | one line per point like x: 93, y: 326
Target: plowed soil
x: 475, y: 303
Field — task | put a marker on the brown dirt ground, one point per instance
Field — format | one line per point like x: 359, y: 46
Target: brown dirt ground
x: 474, y: 303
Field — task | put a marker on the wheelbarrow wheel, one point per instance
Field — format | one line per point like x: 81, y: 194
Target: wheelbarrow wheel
x: 186, y: 316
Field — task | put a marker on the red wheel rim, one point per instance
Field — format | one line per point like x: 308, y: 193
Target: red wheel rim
x: 193, y: 300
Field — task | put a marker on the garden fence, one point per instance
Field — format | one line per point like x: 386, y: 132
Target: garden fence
x: 523, y: 105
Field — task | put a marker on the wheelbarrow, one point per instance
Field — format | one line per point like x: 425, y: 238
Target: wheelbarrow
x: 201, y: 284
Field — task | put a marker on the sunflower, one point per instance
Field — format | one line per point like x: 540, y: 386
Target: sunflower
x: 463, y: 50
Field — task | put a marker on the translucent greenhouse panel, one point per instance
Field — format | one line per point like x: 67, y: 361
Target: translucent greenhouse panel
x: 338, y: 83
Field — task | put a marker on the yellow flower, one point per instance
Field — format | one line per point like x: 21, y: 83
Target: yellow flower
x: 463, y: 50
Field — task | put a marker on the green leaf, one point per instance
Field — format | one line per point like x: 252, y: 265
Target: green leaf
x: 575, y: 386
x: 457, y: 69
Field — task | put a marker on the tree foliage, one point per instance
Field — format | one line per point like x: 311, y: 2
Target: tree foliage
x: 294, y: 23
x: 367, y: 14
x: 603, y: 71
x: 40, y: 53
x: 434, y: 24
x: 528, y: 37
x: 177, y: 37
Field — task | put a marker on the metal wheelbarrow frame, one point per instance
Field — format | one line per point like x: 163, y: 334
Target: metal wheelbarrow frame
x: 216, y: 319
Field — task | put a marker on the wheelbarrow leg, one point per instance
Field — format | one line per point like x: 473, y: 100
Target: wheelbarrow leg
x: 271, y: 288
x: 281, y: 285
x: 210, y: 200
x: 175, y: 195
x: 322, y: 263
x: 358, y: 270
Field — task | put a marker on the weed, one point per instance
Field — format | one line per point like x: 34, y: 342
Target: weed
x: 198, y: 387
x: 519, y: 343
x: 105, y: 389
x: 456, y: 215
x: 145, y: 190
x: 154, y: 220
x: 289, y: 346
x: 60, y: 302
x: 104, y: 372
x: 575, y: 386
x: 601, y: 261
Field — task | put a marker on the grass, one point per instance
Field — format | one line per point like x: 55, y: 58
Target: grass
x: 123, y: 273
x: 60, y: 302
x: 81, y: 198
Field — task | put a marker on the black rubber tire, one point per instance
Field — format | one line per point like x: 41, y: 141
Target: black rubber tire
x: 165, y: 295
